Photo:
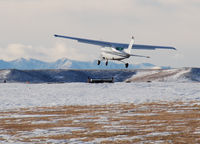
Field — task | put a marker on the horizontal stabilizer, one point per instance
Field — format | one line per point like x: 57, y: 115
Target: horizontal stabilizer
x: 139, y: 56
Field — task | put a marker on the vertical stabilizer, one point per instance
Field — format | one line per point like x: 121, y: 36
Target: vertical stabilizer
x: 130, y: 45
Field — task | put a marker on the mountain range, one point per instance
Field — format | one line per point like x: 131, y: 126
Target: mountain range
x: 64, y: 63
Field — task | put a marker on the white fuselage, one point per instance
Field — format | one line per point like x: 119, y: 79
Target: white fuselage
x: 109, y: 53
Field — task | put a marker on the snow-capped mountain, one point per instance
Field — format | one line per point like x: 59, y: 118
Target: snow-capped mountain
x: 65, y: 63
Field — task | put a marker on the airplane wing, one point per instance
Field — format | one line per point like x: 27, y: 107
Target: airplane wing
x: 115, y: 45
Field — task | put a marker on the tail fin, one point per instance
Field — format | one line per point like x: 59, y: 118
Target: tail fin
x: 130, y: 45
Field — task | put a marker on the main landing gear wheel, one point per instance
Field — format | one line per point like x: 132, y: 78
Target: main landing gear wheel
x: 106, y: 63
x: 98, y: 63
x: 126, y: 65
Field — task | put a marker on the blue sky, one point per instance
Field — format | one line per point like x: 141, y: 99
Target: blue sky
x: 27, y: 28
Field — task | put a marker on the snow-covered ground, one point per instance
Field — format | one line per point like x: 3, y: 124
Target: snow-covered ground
x: 15, y: 95
x: 121, y: 122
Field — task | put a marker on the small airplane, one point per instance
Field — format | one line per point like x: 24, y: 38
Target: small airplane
x: 116, y: 51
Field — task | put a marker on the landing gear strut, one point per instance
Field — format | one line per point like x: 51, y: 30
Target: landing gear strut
x: 126, y: 65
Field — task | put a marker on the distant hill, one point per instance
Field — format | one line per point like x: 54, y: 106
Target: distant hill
x: 64, y: 63
x: 120, y: 75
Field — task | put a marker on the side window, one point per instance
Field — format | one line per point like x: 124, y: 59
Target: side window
x: 118, y: 48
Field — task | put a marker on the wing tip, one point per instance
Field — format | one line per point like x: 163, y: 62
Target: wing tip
x: 171, y: 48
x: 174, y: 48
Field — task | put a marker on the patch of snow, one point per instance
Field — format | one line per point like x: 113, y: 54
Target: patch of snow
x: 160, y: 134
x: 52, y: 131
x: 145, y: 73
x: 139, y: 114
x: 169, y: 75
x: 67, y: 64
x: 178, y: 76
x: 197, y: 131
x: 156, y: 68
x: 4, y: 73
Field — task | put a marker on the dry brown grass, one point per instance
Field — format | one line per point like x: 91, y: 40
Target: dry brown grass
x: 125, y: 123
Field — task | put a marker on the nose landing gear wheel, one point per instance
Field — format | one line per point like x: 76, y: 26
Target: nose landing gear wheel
x: 126, y: 65
x: 106, y: 63
x: 98, y: 63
